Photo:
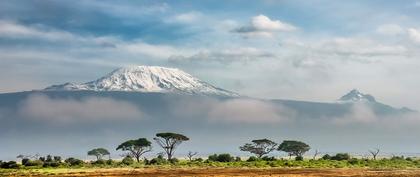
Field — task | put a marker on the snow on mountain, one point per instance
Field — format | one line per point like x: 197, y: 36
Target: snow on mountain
x: 355, y: 96
x: 147, y: 79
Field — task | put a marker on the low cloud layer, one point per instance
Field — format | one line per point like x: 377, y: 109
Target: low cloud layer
x: 44, y: 108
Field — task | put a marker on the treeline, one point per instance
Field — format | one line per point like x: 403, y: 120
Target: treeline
x: 134, y: 149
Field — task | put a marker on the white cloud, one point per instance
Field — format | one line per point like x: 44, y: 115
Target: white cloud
x: 42, y: 107
x: 242, y: 54
x: 390, y: 29
x: 188, y: 17
x: 249, y: 111
x: 360, y: 113
x: 263, y: 26
x: 414, y: 34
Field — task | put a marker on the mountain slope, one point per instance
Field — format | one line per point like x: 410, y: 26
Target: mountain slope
x: 147, y: 79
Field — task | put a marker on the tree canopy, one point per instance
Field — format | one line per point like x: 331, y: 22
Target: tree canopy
x: 260, y: 147
x: 136, y: 148
x: 98, y: 153
x: 169, y: 142
x: 294, y: 148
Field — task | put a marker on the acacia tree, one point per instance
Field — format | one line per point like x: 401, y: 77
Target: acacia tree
x: 259, y: 147
x: 374, y: 153
x: 294, y: 148
x: 169, y: 142
x: 98, y: 153
x: 191, y: 154
x: 136, y: 148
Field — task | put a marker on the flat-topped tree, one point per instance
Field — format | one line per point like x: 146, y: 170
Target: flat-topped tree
x: 98, y: 153
x: 169, y: 142
x: 259, y: 147
x: 136, y: 148
x: 294, y: 148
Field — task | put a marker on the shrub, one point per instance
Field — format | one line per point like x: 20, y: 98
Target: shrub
x: 57, y: 158
x: 326, y: 157
x: 341, y: 156
x: 252, y: 159
x: 99, y: 162
x: 51, y: 164
x: 198, y: 159
x: 73, y: 161
x: 174, y: 160
x: 354, y: 161
x: 127, y: 160
x: 159, y: 160
x: 266, y: 158
x: 221, y: 158
x: 10, y: 164
x: 299, y: 158
x: 109, y: 162
x: 33, y: 163
x: 238, y: 159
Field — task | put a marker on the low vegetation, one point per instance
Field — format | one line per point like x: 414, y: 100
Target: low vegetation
x: 169, y: 142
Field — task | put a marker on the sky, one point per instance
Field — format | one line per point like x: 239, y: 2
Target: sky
x: 306, y: 50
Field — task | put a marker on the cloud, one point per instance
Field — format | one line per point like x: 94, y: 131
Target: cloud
x: 390, y: 29
x: 242, y: 54
x: 249, y: 111
x: 188, y: 17
x: 359, y: 113
x: 262, y: 26
x: 414, y: 35
x: 40, y: 107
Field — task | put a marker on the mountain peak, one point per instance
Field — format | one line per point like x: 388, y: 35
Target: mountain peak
x: 355, y: 95
x: 147, y: 79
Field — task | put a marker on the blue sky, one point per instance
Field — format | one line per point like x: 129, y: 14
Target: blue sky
x: 306, y: 50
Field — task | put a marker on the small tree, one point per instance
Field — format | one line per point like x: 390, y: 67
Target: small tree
x: 294, y: 148
x: 169, y: 142
x: 191, y: 154
x: 259, y: 147
x: 316, y: 153
x: 374, y: 153
x: 136, y: 148
x: 98, y: 153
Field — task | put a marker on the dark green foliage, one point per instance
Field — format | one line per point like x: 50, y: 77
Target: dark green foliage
x: 24, y: 161
x: 259, y: 147
x: 159, y: 160
x: 221, y: 158
x: 294, y: 148
x: 127, y: 160
x: 51, y: 164
x: 266, y: 158
x: 238, y: 159
x: 109, y: 162
x: 74, y: 162
x: 173, y: 160
x: 98, y: 153
x: 252, y: 159
x: 9, y: 165
x: 57, y: 158
x: 30, y: 163
x: 326, y: 157
x: 298, y: 158
x: 199, y: 159
x: 341, y: 156
x: 136, y: 148
x: 169, y: 142
x: 99, y: 162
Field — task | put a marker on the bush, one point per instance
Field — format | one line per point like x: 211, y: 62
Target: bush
x: 221, y: 158
x: 266, y: 158
x: 127, y: 160
x: 10, y: 164
x: 99, y: 162
x: 238, y: 159
x: 159, y: 160
x: 341, y: 156
x: 299, y: 158
x: 33, y: 163
x: 326, y: 157
x: 51, y: 164
x: 174, y: 160
x: 74, y: 162
x: 109, y: 162
x: 252, y: 159
x: 198, y: 159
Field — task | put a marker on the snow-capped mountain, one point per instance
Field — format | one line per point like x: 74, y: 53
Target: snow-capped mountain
x: 147, y: 79
x: 355, y: 96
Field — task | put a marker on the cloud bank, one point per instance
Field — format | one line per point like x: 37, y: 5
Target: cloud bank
x: 43, y: 108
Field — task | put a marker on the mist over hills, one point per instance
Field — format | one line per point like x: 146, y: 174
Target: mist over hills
x: 140, y: 101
